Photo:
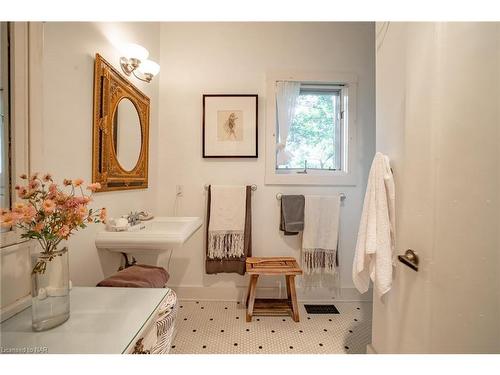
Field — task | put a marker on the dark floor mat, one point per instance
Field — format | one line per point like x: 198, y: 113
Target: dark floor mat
x: 321, y: 309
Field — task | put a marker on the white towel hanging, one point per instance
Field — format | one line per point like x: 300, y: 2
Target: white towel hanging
x: 226, y: 229
x: 373, y: 258
x: 320, y: 237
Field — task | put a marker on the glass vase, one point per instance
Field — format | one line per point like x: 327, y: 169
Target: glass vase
x: 49, y: 289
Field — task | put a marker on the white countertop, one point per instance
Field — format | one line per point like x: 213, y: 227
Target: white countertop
x: 102, y: 320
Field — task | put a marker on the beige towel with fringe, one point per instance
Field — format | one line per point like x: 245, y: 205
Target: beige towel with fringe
x: 321, y: 232
x: 226, y: 229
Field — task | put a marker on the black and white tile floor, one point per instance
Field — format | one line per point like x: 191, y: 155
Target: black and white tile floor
x: 217, y: 327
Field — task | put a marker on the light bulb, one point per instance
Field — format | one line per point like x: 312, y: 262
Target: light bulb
x: 135, y: 51
x: 149, y: 67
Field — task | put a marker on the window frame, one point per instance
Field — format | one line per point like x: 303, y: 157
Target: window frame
x: 5, y: 59
x: 19, y: 116
x: 347, y: 175
x: 338, y: 89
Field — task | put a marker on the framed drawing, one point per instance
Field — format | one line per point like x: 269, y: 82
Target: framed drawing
x: 230, y: 126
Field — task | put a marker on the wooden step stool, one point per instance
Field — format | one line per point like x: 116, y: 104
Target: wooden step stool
x: 272, y: 266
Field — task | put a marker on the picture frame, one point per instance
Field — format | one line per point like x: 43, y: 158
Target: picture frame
x: 230, y: 126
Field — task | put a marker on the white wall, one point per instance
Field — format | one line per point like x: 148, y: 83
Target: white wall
x: 203, y: 58
x: 438, y: 89
x: 196, y: 58
x: 63, y: 143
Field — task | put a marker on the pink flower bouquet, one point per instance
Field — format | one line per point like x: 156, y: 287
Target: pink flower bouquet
x: 50, y: 214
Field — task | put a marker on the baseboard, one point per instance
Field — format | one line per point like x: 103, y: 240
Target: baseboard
x: 213, y: 293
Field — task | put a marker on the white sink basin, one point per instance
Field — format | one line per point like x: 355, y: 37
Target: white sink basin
x: 158, y: 235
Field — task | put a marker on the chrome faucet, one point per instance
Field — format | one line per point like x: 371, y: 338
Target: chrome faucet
x: 133, y: 218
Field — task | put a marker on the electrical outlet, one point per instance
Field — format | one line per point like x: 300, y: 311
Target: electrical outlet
x: 179, y: 190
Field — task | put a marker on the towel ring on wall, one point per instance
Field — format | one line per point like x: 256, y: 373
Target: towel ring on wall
x: 253, y: 187
x: 341, y: 195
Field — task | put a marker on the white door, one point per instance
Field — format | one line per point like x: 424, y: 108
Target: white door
x: 438, y: 104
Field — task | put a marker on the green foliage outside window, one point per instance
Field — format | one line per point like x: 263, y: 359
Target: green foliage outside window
x: 312, y: 133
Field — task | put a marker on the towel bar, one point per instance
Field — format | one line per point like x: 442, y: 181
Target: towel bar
x: 341, y: 195
x: 253, y: 187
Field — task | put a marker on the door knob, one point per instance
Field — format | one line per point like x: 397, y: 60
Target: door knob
x: 410, y: 259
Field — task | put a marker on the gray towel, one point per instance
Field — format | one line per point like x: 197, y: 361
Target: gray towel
x: 292, y: 214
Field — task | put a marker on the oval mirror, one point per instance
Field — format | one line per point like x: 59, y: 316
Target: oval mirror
x: 127, y: 137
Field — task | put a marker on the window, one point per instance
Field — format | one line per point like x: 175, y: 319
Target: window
x: 314, y: 138
x: 311, y: 129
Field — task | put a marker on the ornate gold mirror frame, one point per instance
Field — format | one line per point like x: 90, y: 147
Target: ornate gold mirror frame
x: 110, y: 87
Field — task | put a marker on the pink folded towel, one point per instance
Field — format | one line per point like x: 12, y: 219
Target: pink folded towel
x: 138, y: 276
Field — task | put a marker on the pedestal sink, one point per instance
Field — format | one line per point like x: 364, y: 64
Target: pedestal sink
x: 152, y: 237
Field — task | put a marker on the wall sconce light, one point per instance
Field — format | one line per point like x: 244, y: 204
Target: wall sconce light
x: 135, y: 59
